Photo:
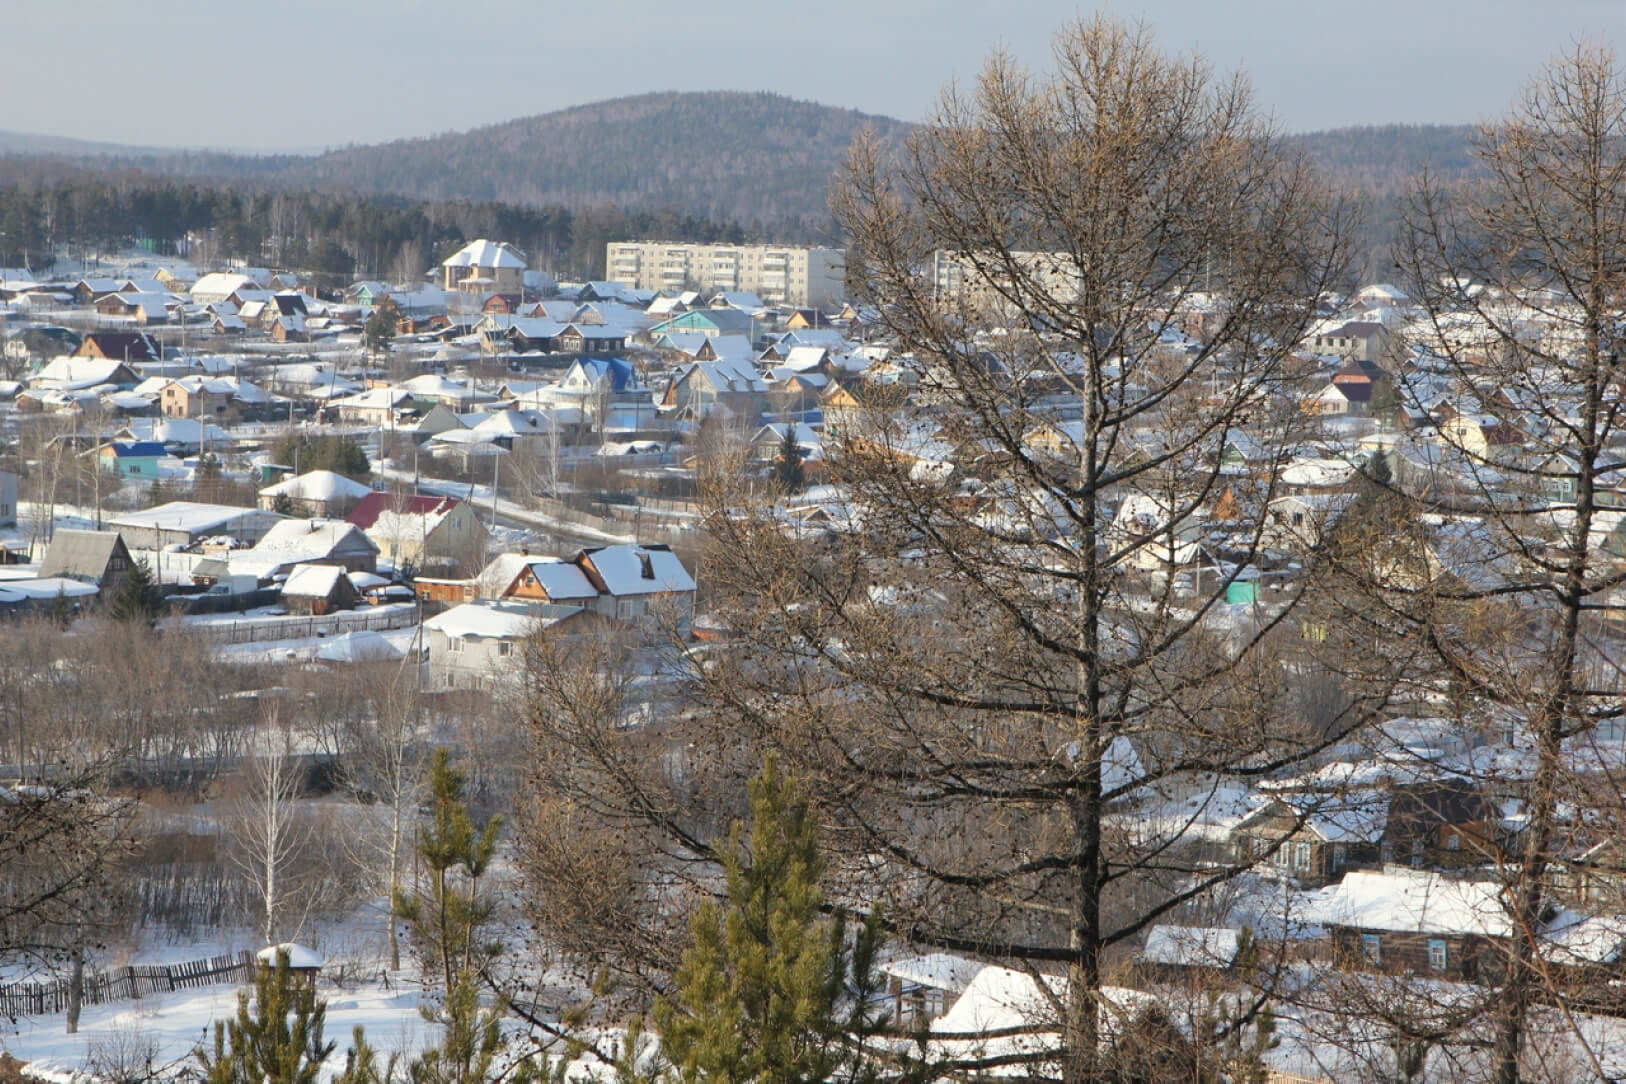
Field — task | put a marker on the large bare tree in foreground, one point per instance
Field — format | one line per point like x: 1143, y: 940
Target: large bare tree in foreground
x: 1010, y: 681
x: 1522, y: 277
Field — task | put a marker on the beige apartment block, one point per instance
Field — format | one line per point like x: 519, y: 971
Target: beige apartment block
x: 778, y: 274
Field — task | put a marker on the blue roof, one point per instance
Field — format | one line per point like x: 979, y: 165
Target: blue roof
x: 620, y: 370
x: 141, y: 448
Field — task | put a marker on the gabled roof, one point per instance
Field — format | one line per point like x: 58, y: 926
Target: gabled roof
x: 318, y: 485
x: 377, y: 502
x: 560, y: 580
x: 80, y: 554
x: 483, y: 253
x: 138, y: 449
x: 629, y: 570
x: 312, y: 581
x: 1414, y: 901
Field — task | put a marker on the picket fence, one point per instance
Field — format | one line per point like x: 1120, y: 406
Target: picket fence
x: 125, y: 983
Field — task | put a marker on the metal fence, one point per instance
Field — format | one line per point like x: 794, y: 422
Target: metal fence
x: 125, y: 983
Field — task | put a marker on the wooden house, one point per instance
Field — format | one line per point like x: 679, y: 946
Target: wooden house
x: 1403, y: 920
x: 1447, y: 823
x: 1311, y: 842
x: 125, y: 346
x: 319, y: 590
x: 98, y: 557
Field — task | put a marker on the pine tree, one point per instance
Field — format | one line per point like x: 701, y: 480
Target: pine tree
x: 447, y: 914
x: 379, y: 331
x: 275, y: 1039
x: 763, y: 993
x: 136, y: 596
x: 447, y: 918
x: 787, y: 468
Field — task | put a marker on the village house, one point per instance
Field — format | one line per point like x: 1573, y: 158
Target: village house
x: 486, y: 267
x: 134, y: 459
x: 637, y: 583
x: 196, y: 397
x: 315, y: 493
x: 189, y: 523
x: 422, y: 530
x: 1311, y: 841
x: 319, y: 590
x: 125, y: 346
x: 481, y: 645
x: 94, y: 557
x: 302, y: 541
x: 1405, y: 920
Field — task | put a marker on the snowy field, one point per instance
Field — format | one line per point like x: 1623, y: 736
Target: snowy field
x: 170, y: 1026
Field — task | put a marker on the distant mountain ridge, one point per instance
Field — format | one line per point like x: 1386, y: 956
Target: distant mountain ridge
x: 746, y: 157
x: 761, y: 160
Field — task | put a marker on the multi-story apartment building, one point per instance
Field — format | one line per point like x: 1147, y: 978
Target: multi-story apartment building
x: 779, y: 274
x: 961, y: 275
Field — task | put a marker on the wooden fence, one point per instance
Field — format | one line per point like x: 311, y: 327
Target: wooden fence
x: 126, y: 983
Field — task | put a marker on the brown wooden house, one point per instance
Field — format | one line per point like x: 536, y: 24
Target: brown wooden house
x: 1443, y: 824
x: 319, y: 590
x: 1403, y: 920
x: 1311, y: 841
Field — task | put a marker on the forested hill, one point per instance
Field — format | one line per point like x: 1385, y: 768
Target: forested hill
x: 761, y: 160
x: 758, y: 159
x: 1379, y: 160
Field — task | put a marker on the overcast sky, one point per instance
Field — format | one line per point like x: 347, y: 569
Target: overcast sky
x: 313, y: 73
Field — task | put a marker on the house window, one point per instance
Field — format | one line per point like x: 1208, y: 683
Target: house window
x: 457, y: 647
x: 1372, y: 949
x: 1436, y: 955
x: 1417, y: 850
x: 1301, y: 857
x: 505, y: 648
x: 1453, y: 841
x: 1338, y: 856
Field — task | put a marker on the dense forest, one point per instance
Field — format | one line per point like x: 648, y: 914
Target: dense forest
x: 697, y: 166
x: 47, y: 207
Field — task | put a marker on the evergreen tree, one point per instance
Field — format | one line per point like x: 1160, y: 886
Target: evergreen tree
x: 447, y: 914
x: 447, y: 918
x: 282, y: 504
x: 378, y: 333
x: 342, y: 455
x: 136, y: 596
x: 275, y: 1039
x: 787, y: 468
x: 763, y: 993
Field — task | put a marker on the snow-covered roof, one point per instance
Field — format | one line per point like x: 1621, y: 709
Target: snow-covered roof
x: 312, y: 581
x: 937, y: 970
x: 483, y: 253
x: 318, y: 485
x: 1413, y: 901
x: 631, y: 569
x: 361, y: 645
x: 1190, y: 946
x: 485, y: 620
x: 193, y: 517
x: 561, y: 579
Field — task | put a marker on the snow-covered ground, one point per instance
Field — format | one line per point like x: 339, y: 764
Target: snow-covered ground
x: 174, y: 1024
